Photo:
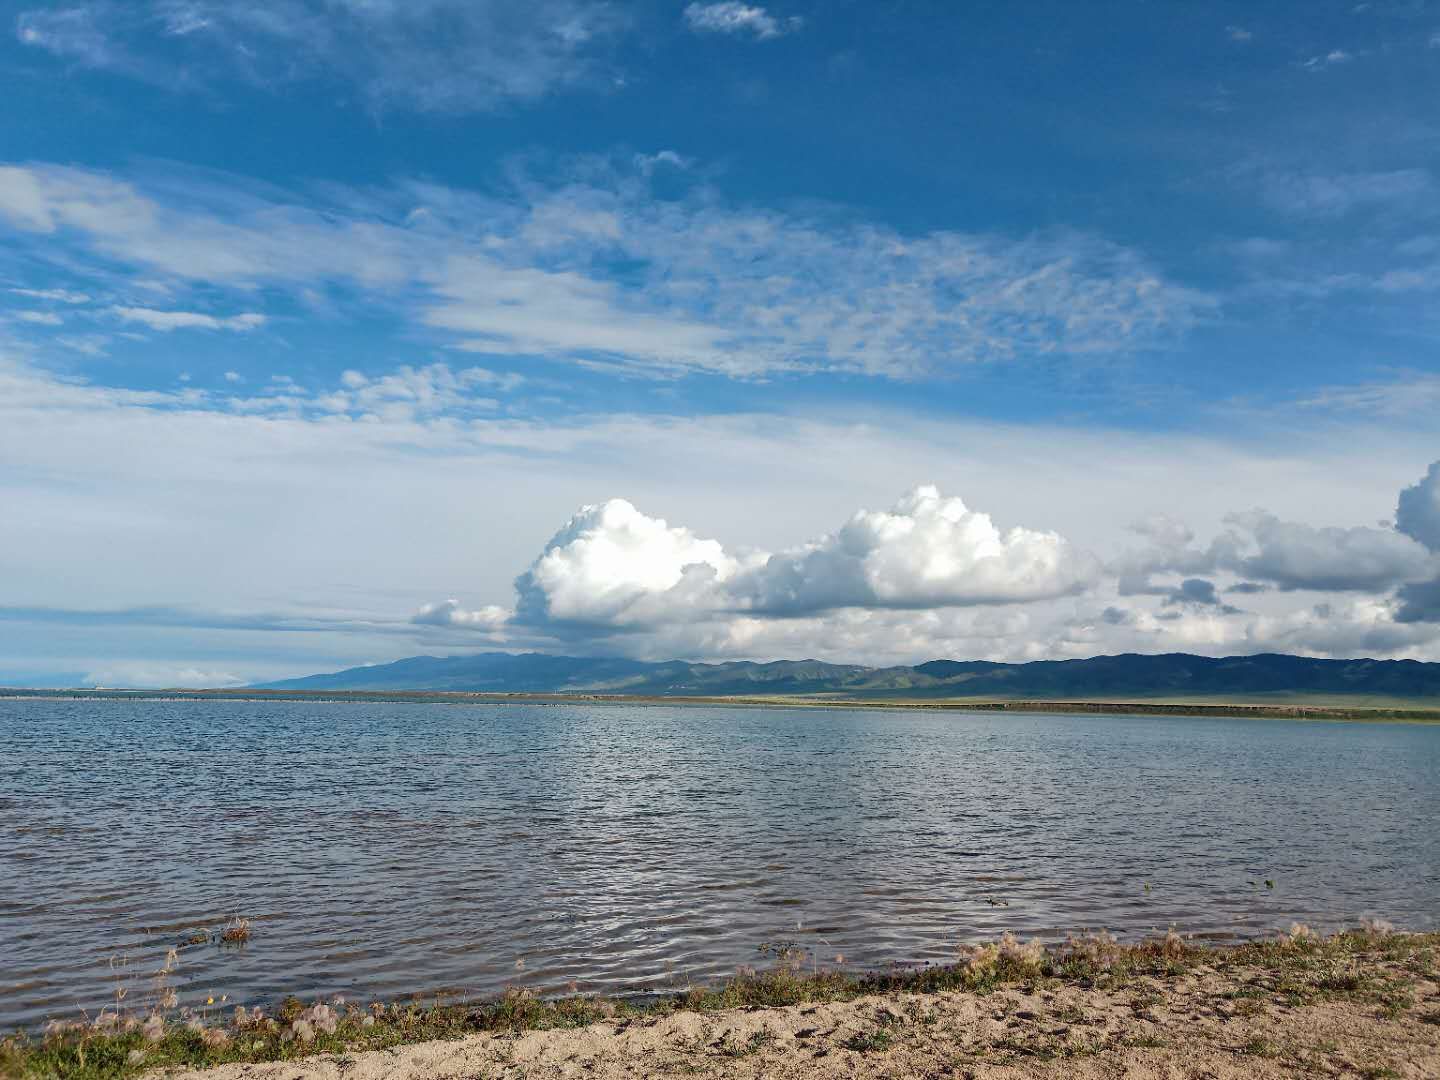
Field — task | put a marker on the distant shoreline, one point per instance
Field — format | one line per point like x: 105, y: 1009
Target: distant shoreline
x: 1417, y: 714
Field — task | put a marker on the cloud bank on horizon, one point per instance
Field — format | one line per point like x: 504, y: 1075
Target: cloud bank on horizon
x: 317, y: 313
x: 617, y: 580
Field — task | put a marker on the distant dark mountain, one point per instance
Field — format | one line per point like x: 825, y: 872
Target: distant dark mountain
x: 1103, y: 677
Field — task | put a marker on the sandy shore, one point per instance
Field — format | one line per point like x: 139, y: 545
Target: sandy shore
x: 1213, y: 1022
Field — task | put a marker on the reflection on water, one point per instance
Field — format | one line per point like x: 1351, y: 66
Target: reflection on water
x: 382, y: 849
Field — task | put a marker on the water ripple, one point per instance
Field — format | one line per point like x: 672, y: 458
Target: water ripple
x: 386, y: 849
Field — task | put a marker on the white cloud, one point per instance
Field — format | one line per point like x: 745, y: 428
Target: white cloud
x: 449, y: 613
x: 928, y: 551
x: 75, y: 33
x: 1398, y: 566
x: 711, y: 288
x: 62, y: 296
x: 385, y: 510
x: 1402, y: 396
x: 1170, y: 549
x: 897, y: 584
x: 648, y: 163
x: 39, y: 318
x: 1330, y: 195
x: 1355, y: 628
x: 441, y: 55
x: 613, y: 566
x: 545, y: 313
x: 1330, y: 559
x: 1410, y: 279
x: 166, y: 321
x: 1331, y: 59
x: 1292, y: 556
x: 150, y: 675
x: 1239, y: 33
x: 410, y: 392
x: 733, y: 17
x: 85, y: 344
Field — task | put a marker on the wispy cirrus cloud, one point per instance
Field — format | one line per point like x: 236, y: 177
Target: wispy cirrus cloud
x: 705, y: 286
x: 1331, y: 195
x: 77, y: 33
x: 1322, y: 61
x: 1406, y: 394
x: 440, y: 55
x: 184, y: 618
x: 166, y: 321
x: 733, y: 17
x: 92, y: 345
x: 434, y: 393
x: 59, y: 296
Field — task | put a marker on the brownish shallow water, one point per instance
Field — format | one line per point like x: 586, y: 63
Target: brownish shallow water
x: 382, y: 849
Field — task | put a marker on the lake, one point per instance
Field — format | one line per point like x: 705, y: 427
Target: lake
x: 384, y: 849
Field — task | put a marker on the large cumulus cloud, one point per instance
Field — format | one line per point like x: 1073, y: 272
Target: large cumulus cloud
x: 927, y: 551
x: 615, y: 567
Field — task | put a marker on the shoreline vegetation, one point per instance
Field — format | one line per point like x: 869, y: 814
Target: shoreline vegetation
x: 1363, y: 1002
x: 1325, y: 709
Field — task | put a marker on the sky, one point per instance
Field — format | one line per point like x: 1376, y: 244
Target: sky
x: 338, y: 331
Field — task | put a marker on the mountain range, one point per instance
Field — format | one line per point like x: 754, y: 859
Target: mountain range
x: 1100, y: 677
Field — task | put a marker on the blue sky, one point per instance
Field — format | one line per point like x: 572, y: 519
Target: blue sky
x: 319, y: 319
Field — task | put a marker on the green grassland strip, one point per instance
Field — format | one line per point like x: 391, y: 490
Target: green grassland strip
x: 1300, y: 709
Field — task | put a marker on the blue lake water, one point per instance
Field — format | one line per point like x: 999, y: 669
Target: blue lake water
x: 382, y: 849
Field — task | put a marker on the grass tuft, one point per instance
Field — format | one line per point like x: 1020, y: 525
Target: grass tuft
x: 870, y: 1042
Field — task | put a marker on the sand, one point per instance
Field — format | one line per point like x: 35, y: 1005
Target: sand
x: 1204, y: 1023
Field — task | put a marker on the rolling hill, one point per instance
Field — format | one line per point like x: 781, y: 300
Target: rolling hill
x: 1173, y: 675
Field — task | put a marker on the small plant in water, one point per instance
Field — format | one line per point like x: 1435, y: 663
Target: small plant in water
x: 236, y: 931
